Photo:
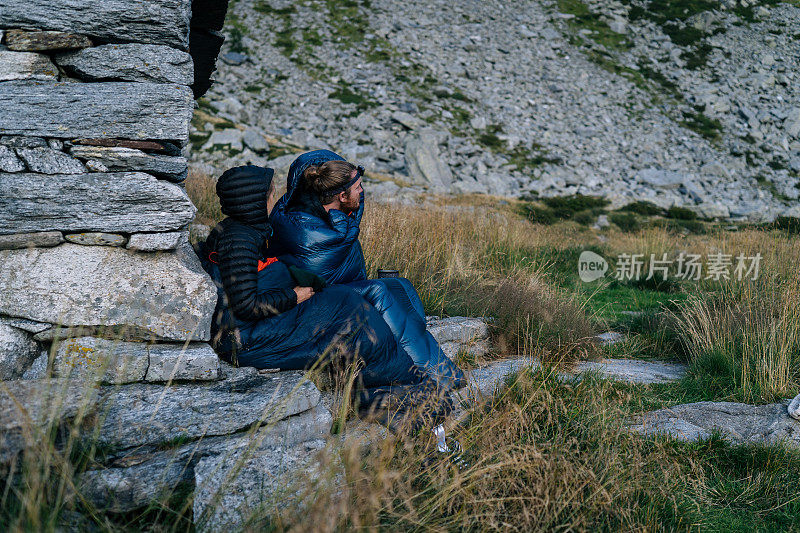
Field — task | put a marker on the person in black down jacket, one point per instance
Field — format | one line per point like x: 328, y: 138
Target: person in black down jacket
x: 264, y: 318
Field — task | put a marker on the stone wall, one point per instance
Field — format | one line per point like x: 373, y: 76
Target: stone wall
x: 95, y: 103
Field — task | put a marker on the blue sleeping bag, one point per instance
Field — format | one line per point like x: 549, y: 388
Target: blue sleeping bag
x: 297, y: 338
x: 326, y: 243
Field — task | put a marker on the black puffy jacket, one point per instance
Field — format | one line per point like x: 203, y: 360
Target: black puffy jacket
x: 238, y: 244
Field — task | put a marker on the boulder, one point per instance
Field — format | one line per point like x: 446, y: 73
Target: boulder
x: 129, y: 62
x: 155, y: 242
x: 26, y: 66
x: 98, y: 110
x: 17, y: 351
x: 458, y: 329
x: 29, y: 408
x: 138, y: 478
x: 168, y: 295
x: 96, y: 239
x: 234, y: 489
x: 9, y: 161
x: 663, y: 179
x: 424, y: 162
x: 104, y: 202
x: 173, y: 168
x: 40, y: 41
x: 176, y: 362
x: 149, y: 414
x: 101, y: 360
x: 44, y: 239
x: 155, y: 21
x: 741, y: 423
x: 48, y: 161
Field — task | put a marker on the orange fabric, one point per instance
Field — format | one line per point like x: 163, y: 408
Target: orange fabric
x: 264, y: 264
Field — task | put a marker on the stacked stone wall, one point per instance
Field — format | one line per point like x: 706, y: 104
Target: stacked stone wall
x: 95, y: 103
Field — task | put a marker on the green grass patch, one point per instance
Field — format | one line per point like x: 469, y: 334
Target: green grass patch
x: 681, y: 213
x: 585, y: 19
x: 642, y: 207
x: 698, y: 122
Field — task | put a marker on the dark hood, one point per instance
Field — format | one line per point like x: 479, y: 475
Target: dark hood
x: 243, y: 193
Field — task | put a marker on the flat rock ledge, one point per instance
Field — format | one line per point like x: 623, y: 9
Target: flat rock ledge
x: 739, y: 422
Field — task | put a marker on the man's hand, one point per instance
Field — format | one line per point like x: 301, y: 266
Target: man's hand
x: 303, y: 294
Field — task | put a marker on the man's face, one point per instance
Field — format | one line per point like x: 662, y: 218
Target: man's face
x: 351, y: 198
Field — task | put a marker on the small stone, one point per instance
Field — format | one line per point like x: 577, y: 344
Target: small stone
x: 665, y: 179
x: 96, y: 239
x: 406, y: 119
x: 34, y: 41
x: 56, y: 144
x: 129, y: 62
x: 38, y: 369
x: 9, y: 161
x: 234, y: 58
x: 26, y: 66
x: 794, y: 408
x: 602, y: 222
x: 176, y: 362
x: 231, y: 138
x: 19, y: 141
x: 17, y: 351
x: 48, y: 161
x: 711, y: 210
x: 95, y: 166
x: 103, y: 360
x: 255, y: 140
x: 458, y: 329
x: 155, y: 242
x: 44, y: 239
x: 31, y: 326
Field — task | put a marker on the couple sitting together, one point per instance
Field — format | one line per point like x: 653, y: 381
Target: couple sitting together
x: 293, y: 290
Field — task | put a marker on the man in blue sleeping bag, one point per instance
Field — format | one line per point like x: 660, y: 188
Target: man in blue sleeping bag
x: 317, y: 223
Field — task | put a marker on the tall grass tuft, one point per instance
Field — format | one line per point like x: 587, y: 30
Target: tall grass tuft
x: 749, y: 332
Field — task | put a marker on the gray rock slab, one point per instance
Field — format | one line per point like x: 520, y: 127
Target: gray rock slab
x: 610, y: 337
x: 155, y: 242
x: 255, y: 140
x: 9, y: 161
x: 231, y: 489
x: 458, y: 329
x: 48, y: 161
x: 176, y: 362
x: 169, y: 167
x: 96, y: 239
x: 634, y: 370
x: 19, y: 141
x: 425, y: 164
x: 129, y: 62
x: 150, y: 414
x: 44, y: 239
x: 31, y: 326
x: 156, y: 21
x: 168, y: 295
x: 26, y: 66
x: 138, y: 478
x: 27, y: 408
x: 101, y: 360
x: 484, y: 381
x: 124, y: 110
x: 741, y: 423
x: 40, y: 41
x: 106, y: 202
x: 17, y: 351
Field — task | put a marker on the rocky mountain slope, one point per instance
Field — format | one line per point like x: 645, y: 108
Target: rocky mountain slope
x: 693, y: 102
